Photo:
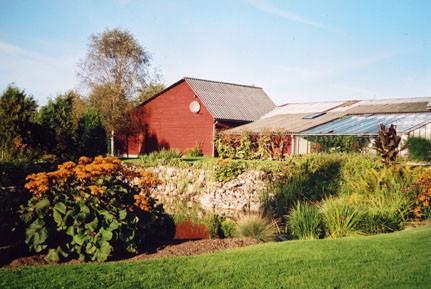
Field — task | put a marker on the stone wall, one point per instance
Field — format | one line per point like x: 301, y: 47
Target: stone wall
x: 196, y: 189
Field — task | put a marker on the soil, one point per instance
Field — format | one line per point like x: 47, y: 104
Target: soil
x: 187, y: 248
x: 198, y: 247
x: 27, y: 261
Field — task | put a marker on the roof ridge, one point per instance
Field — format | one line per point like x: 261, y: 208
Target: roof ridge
x: 221, y: 82
x: 313, y: 102
x: 399, y: 98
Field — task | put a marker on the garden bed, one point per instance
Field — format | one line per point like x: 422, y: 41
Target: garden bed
x: 198, y: 247
x: 187, y: 248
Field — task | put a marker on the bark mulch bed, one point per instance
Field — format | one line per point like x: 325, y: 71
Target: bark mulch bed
x: 197, y: 247
x: 186, y: 248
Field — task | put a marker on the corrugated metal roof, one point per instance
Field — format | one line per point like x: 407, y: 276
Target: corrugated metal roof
x: 229, y: 101
x: 289, y: 123
x: 370, y: 124
x: 310, y: 107
x: 367, y: 107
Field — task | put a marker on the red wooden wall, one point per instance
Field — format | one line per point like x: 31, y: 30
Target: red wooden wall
x: 167, y: 122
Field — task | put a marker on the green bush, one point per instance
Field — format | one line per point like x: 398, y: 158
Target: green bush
x: 93, y: 210
x: 214, y: 224
x: 387, y: 210
x: 90, y: 135
x: 13, y: 195
x: 305, y: 221
x: 419, y: 148
x: 163, y: 157
x: 316, y: 176
x: 338, y: 143
x: 256, y: 227
x: 194, y: 152
x: 377, y: 221
x: 226, y: 170
x: 247, y: 146
x: 310, y: 177
x: 229, y: 228
x: 340, y: 218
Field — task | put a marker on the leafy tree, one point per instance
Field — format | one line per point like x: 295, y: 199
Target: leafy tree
x: 115, y: 69
x: 149, y: 91
x: 57, y: 119
x: 91, y: 135
x: 17, y: 110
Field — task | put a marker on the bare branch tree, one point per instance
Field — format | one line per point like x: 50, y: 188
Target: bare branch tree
x: 116, y: 70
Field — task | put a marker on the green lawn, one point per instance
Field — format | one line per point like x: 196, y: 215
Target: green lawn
x: 397, y: 260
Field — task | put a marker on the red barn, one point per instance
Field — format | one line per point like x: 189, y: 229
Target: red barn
x: 189, y: 113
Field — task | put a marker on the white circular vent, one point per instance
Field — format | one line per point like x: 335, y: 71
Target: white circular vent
x: 194, y: 106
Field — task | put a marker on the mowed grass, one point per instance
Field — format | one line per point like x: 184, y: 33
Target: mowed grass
x: 397, y: 260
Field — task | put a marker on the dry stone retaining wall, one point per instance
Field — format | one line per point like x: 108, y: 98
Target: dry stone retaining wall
x: 190, y: 188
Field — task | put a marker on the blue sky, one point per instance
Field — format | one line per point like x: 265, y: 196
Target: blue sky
x: 296, y: 50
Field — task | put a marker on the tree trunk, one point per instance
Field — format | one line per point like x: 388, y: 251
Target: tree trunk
x: 112, y: 143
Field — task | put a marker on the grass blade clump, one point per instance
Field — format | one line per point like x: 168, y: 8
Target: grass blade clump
x: 305, y: 221
x: 256, y: 227
x: 340, y: 218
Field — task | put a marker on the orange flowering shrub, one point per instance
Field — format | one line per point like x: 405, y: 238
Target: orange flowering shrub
x: 91, y: 209
x: 422, y: 209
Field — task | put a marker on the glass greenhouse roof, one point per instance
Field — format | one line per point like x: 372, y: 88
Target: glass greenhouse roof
x: 370, y: 124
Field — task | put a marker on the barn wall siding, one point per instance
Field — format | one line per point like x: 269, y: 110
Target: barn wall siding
x: 167, y: 122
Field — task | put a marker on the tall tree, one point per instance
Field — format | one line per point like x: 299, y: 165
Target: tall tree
x: 16, y: 113
x: 150, y: 90
x: 91, y: 135
x: 57, y: 119
x: 115, y: 69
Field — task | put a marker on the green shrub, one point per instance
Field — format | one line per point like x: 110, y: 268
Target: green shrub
x: 266, y: 145
x: 419, y: 148
x: 93, y: 210
x: 256, y: 227
x: 226, y: 170
x: 378, y: 221
x: 388, y: 210
x: 90, y: 135
x: 162, y: 157
x: 310, y: 177
x: 229, y: 228
x: 305, y: 221
x: 340, y: 218
x: 338, y: 143
x: 194, y: 152
x: 213, y: 223
x: 13, y: 195
x: 246, y: 147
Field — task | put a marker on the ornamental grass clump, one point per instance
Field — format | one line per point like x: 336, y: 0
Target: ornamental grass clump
x: 256, y: 227
x: 340, y: 218
x: 92, y: 210
x: 305, y: 222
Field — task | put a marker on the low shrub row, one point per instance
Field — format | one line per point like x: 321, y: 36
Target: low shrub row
x: 335, y: 218
x: 247, y: 146
x: 379, y: 211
